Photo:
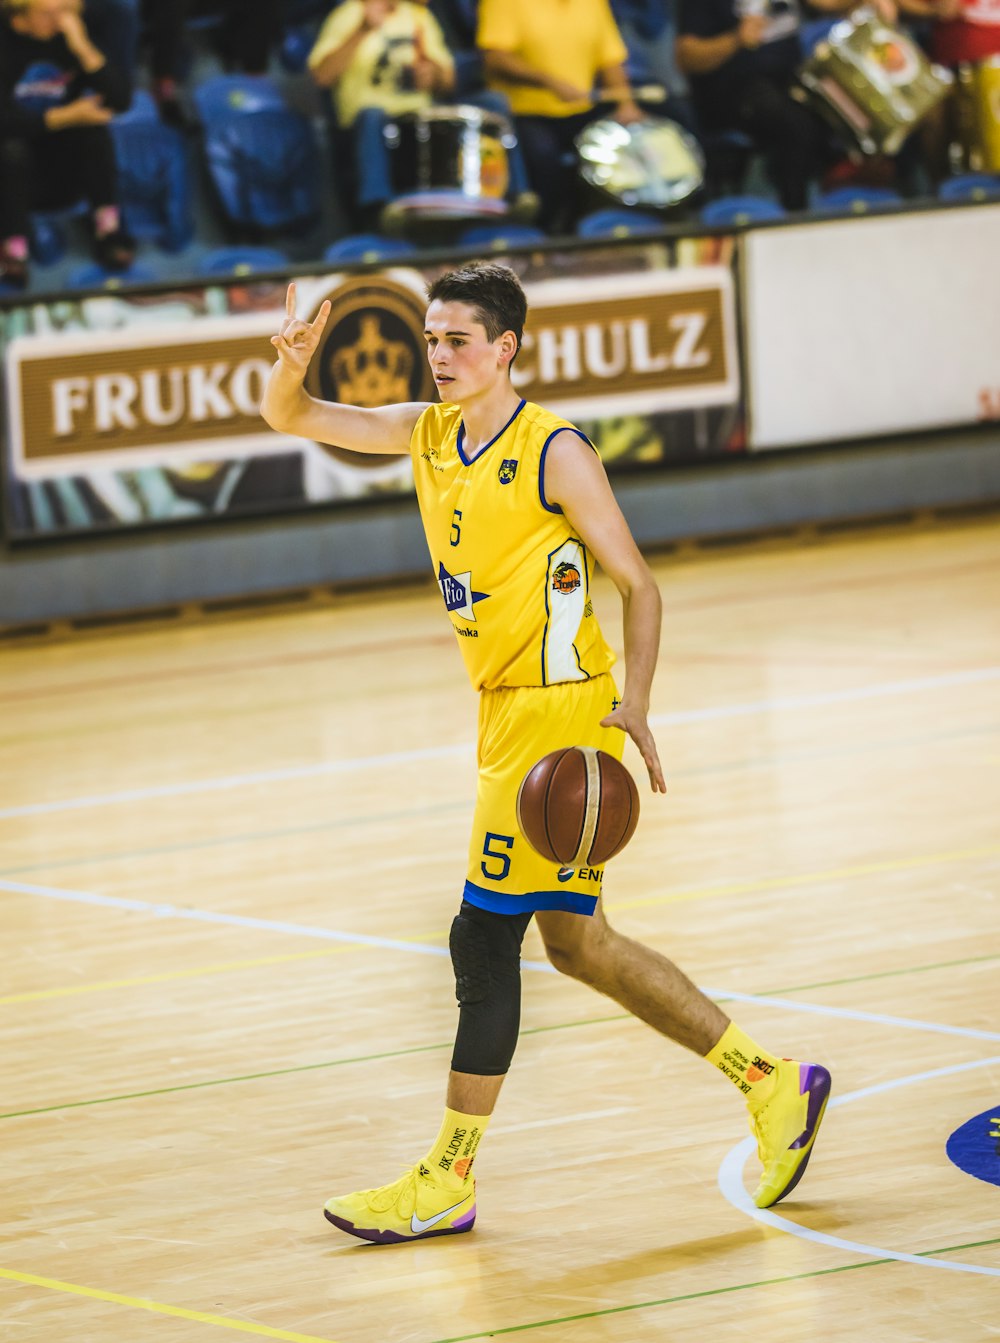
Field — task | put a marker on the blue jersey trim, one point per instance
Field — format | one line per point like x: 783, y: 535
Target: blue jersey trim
x: 566, y: 428
x: 486, y: 447
x: 497, y: 903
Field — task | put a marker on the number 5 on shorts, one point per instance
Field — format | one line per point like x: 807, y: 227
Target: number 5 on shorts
x: 490, y: 851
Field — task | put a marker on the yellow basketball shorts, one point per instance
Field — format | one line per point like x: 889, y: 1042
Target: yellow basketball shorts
x: 517, y: 726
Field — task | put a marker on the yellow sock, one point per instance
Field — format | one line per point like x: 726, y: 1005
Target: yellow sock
x: 748, y: 1066
x: 449, y: 1162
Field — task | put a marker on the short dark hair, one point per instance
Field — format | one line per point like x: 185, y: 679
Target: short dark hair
x: 493, y: 291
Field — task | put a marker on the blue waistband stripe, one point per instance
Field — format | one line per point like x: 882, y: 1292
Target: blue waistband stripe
x: 573, y: 902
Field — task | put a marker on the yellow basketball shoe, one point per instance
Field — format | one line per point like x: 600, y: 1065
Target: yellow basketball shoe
x: 786, y: 1125
x: 413, y: 1208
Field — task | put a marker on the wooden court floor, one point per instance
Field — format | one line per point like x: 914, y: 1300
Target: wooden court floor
x: 229, y: 856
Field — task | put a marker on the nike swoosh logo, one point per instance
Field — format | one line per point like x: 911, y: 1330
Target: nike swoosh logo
x: 418, y: 1225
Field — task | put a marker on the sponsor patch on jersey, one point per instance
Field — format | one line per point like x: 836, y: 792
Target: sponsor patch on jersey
x: 565, y: 577
x: 507, y: 471
x: 458, y: 593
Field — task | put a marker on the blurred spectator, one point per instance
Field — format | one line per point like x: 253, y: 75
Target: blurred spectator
x: 547, y: 56
x: 740, y: 58
x: 961, y: 32
x: 248, y: 31
x: 57, y: 95
x: 380, y: 58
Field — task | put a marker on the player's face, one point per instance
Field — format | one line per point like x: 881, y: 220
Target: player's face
x: 463, y: 360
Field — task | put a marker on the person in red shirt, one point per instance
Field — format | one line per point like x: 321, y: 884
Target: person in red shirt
x: 962, y: 32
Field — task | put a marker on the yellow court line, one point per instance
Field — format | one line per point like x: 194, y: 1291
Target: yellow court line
x: 195, y: 972
x: 809, y: 878
x: 669, y: 898
x: 159, y: 1308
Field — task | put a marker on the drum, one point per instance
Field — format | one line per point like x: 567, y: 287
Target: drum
x: 871, y: 82
x: 979, y: 115
x: 449, y: 162
x: 654, y: 163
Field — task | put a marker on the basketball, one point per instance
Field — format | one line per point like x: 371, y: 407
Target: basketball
x: 578, y: 807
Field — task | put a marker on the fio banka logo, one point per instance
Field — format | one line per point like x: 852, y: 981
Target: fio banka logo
x: 456, y: 589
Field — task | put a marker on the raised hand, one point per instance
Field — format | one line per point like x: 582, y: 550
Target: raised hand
x: 296, y: 340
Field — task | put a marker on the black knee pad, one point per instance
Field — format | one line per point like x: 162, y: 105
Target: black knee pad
x: 486, y: 955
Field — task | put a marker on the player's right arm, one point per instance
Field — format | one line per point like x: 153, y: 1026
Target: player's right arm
x: 288, y: 407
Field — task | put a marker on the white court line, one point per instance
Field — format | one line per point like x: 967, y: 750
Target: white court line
x: 780, y: 704
x: 563, y: 1119
x: 877, y: 1018
x: 211, y: 916
x: 239, y: 780
x: 424, y: 949
x: 731, y: 1184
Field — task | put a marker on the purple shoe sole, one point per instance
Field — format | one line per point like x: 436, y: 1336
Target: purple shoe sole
x: 464, y: 1223
x: 815, y: 1080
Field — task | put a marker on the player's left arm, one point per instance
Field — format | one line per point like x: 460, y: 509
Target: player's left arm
x: 575, y: 479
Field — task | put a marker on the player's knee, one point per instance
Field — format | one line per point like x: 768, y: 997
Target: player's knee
x: 486, y: 955
x: 485, y: 951
x: 469, y: 945
x: 575, y: 949
x: 570, y: 956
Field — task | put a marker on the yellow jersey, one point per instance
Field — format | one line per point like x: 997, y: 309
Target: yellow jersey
x: 514, y: 578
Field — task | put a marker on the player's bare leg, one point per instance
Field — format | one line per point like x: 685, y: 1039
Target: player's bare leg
x: 471, y: 1094
x: 644, y: 982
x: 786, y: 1098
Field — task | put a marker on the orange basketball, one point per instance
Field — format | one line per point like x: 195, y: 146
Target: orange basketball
x: 578, y: 807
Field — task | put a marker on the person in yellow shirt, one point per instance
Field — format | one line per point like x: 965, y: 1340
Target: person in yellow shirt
x: 559, y: 62
x: 506, y: 491
x: 379, y: 59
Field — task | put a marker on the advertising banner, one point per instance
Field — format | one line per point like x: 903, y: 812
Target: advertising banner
x: 859, y: 328
x: 127, y: 410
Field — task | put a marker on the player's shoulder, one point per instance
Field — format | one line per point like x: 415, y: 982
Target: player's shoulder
x: 436, y: 420
x: 543, y: 421
x: 547, y: 429
x: 440, y: 414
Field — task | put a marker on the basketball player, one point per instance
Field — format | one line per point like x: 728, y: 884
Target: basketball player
x: 517, y: 508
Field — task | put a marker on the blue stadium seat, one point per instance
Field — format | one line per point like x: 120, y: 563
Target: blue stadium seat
x: 814, y: 32
x: 265, y: 167
x: 368, y: 247
x: 242, y: 261
x: 142, y: 108
x: 728, y: 210
x: 92, y: 275
x: 154, y: 179
x: 225, y: 94
x: 970, y: 187
x: 856, y: 200
x: 47, y: 237
x: 617, y: 224
x: 296, y: 44
x: 499, y: 236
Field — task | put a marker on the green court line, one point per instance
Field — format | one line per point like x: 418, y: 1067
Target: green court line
x: 881, y: 974
x: 252, y: 837
x: 284, y: 1072
x: 423, y: 1049
x: 695, y: 1296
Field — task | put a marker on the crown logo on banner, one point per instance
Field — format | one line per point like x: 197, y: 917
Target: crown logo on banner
x: 373, y: 371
